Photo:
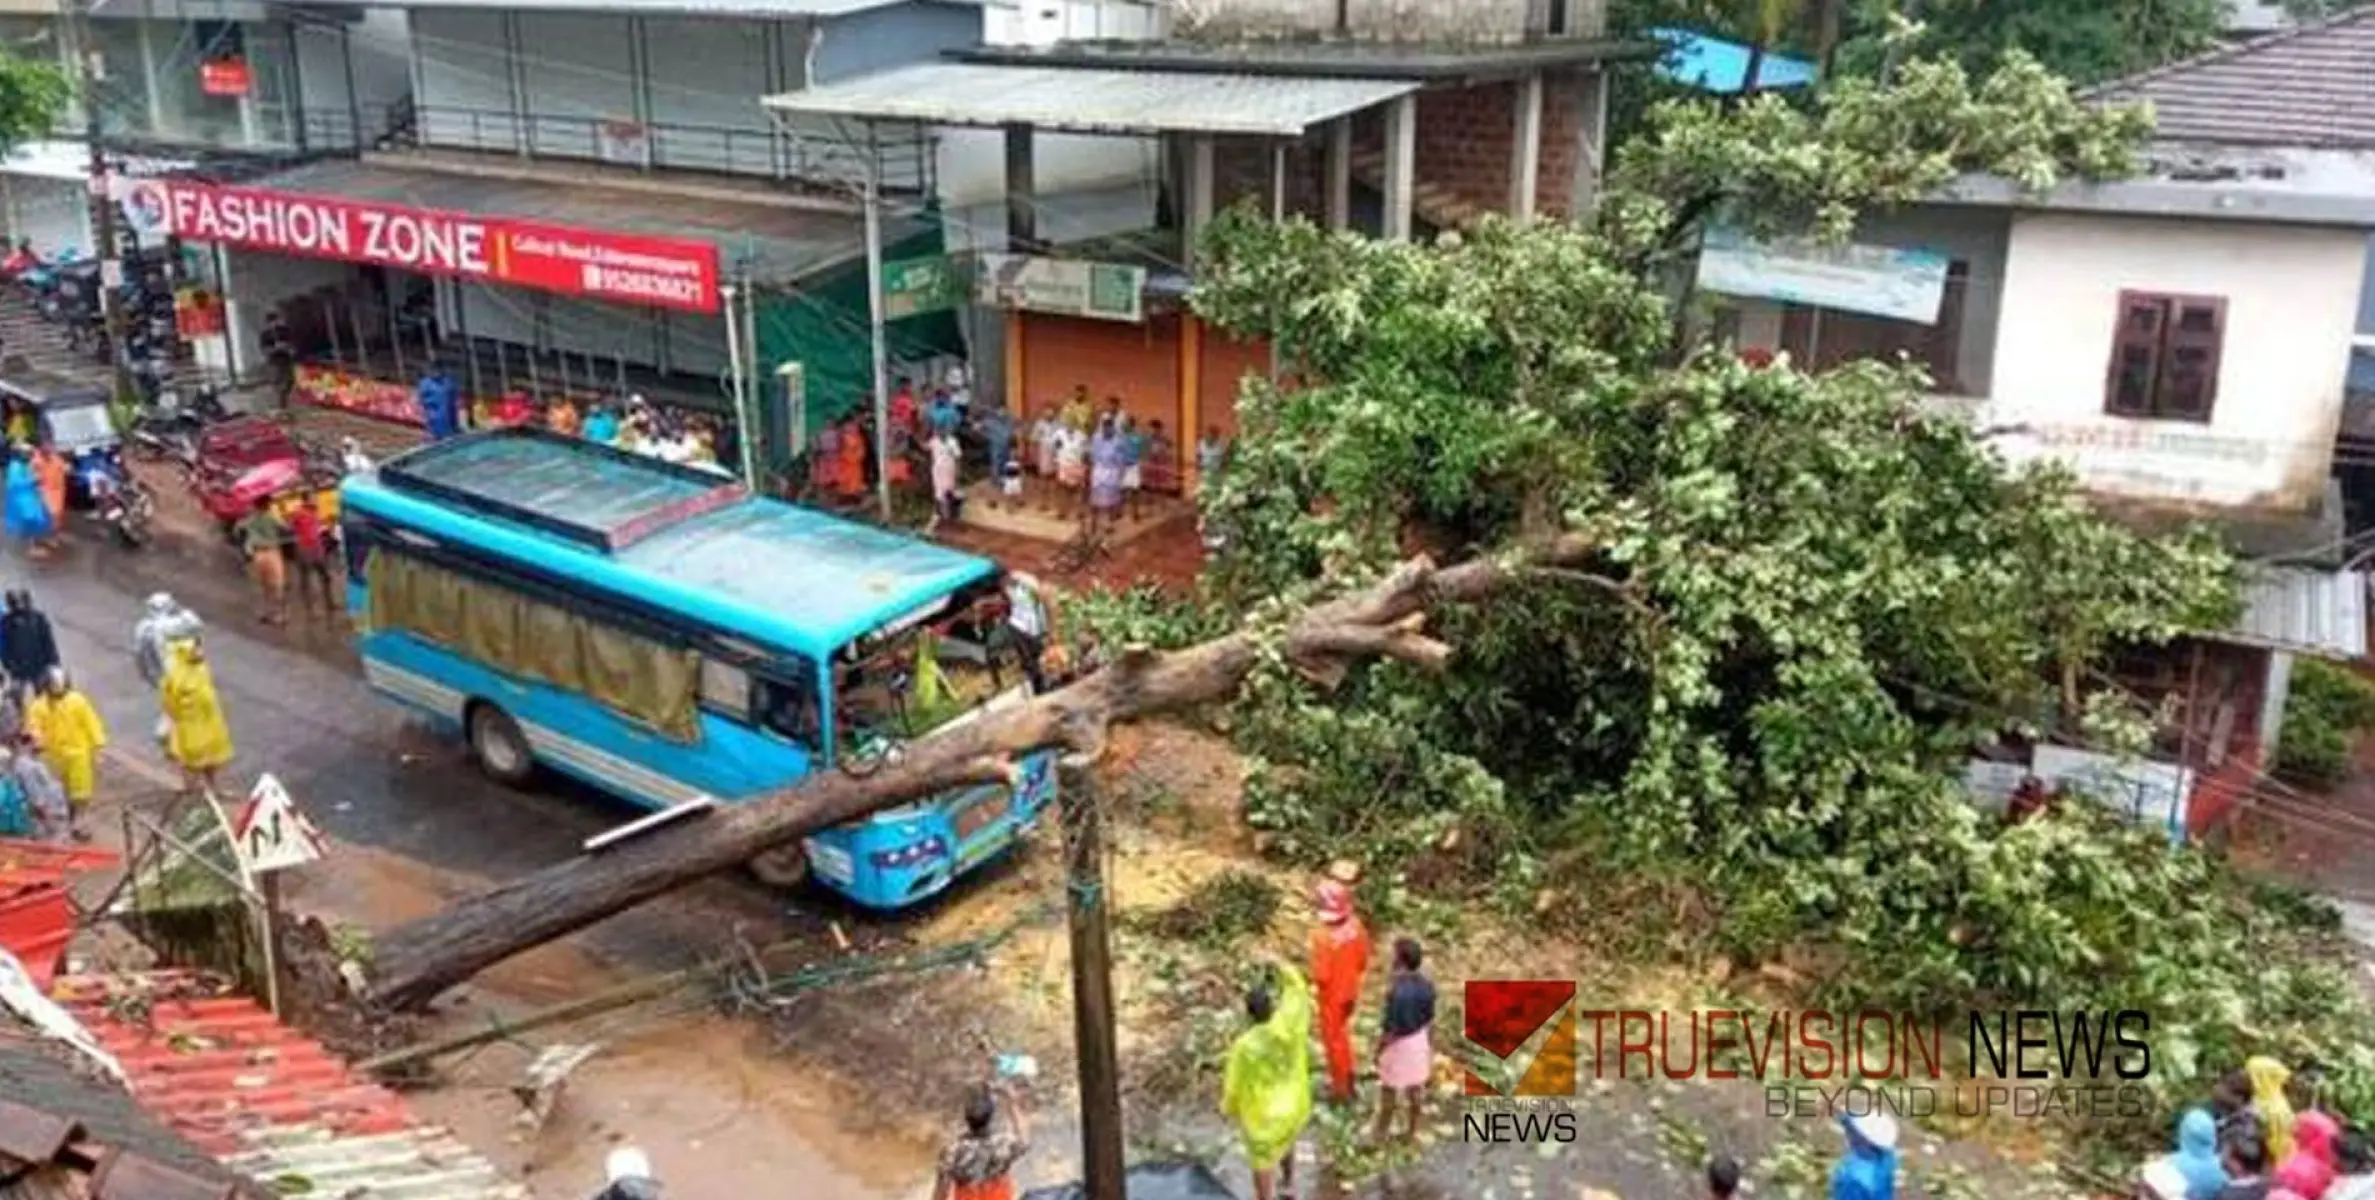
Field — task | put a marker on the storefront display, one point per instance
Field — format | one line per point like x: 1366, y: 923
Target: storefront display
x: 328, y: 387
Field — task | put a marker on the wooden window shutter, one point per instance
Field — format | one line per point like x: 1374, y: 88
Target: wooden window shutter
x: 2188, y: 386
x: 2134, y: 376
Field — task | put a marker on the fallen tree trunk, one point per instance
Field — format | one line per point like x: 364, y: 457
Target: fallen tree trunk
x: 414, y: 962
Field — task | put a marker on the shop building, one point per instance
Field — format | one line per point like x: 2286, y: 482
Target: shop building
x: 1351, y: 127
x: 588, y: 201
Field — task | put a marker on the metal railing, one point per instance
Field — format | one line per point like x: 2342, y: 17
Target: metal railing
x: 824, y: 156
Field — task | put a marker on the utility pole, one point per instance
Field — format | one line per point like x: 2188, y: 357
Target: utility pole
x: 1089, y: 910
x: 882, y: 355
x: 103, y: 204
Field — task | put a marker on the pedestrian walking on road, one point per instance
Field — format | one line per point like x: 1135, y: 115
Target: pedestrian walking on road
x: 1266, y: 1083
x: 27, y: 513
x: 49, y: 471
x: 1339, y: 961
x: 164, y: 623
x: 55, y: 817
x: 980, y: 1164
x: 200, y: 740
x: 27, y: 647
x: 309, y: 537
x: 1405, y: 1044
x: 17, y: 818
x: 265, y: 538
x: 68, y: 733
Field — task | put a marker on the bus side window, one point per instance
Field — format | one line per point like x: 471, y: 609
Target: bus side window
x: 725, y: 689
x: 789, y: 710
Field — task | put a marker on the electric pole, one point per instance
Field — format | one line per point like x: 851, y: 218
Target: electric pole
x: 874, y: 303
x: 103, y: 204
x: 1089, y: 910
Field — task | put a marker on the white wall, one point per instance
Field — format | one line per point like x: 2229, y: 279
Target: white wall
x: 460, y: 68
x: 53, y: 214
x: 2292, y: 296
x: 1046, y: 22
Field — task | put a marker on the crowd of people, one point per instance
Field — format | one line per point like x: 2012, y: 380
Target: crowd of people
x: 635, y: 425
x: 51, y: 734
x: 1076, y: 460
x: 2266, y: 1134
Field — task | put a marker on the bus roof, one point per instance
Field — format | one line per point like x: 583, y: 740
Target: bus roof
x: 760, y: 568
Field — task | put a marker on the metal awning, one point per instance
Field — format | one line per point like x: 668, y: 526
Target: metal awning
x: 2304, y: 611
x: 1093, y: 100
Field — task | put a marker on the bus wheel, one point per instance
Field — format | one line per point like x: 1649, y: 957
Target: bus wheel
x: 496, y: 742
x: 784, y: 868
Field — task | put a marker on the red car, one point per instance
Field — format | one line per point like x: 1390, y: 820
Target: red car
x: 245, y: 461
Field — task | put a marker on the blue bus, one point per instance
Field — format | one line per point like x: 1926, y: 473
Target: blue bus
x: 657, y: 632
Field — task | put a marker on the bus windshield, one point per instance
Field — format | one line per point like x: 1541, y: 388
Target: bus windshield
x: 923, y: 678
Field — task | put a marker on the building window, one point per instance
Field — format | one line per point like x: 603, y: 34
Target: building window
x: 1820, y: 339
x: 2164, y: 356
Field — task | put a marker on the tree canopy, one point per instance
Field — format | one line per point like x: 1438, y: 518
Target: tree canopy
x: 33, y: 98
x: 1746, y: 718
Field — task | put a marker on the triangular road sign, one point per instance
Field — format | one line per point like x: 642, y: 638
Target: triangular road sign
x: 269, y: 831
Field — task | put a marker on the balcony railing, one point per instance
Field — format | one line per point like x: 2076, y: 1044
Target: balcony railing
x: 831, y: 160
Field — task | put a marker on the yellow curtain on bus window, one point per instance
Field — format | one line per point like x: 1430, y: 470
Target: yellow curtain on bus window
x: 384, y: 575
x: 549, y: 648
x: 434, y: 605
x: 642, y: 679
x: 491, y: 625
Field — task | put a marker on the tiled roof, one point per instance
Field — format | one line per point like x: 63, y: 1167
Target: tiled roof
x: 267, y: 1101
x: 56, y: 1079
x: 2312, y: 86
x: 36, y: 911
x: 55, y: 1156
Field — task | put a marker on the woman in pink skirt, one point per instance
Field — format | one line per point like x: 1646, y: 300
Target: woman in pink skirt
x: 1405, y: 1053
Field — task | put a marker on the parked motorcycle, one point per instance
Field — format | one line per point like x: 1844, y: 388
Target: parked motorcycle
x: 123, y: 504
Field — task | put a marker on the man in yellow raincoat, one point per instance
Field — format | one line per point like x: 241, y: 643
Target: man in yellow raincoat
x: 1266, y: 1086
x: 69, y: 734
x: 200, y: 740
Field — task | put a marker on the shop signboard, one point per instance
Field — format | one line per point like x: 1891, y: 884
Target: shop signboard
x: 1883, y: 281
x: 912, y: 287
x: 328, y: 387
x: 675, y: 273
x: 1066, y: 287
x: 224, y: 77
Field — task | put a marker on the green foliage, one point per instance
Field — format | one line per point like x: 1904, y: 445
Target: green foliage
x: 1769, y: 165
x: 2329, y: 708
x: 1812, y: 597
x: 1221, y: 911
x: 33, y: 97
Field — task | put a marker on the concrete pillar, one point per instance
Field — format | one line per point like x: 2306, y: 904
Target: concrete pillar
x: 1525, y: 151
x: 1022, y: 192
x: 1401, y: 166
x: 1199, y: 192
x: 1278, y: 182
x: 1591, y: 101
x: 1340, y: 173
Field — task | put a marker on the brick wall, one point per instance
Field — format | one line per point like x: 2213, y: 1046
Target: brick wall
x: 1465, y: 136
x: 1241, y: 171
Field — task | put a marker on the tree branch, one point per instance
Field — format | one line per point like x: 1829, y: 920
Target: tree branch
x: 414, y: 962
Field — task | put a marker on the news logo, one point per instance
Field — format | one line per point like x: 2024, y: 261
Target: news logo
x: 1503, y: 1015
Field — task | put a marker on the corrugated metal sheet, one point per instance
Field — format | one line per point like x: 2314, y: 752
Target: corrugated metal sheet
x: 267, y: 1101
x: 717, y: 8
x: 36, y: 910
x: 1086, y: 100
x: 2313, y: 86
x: 2321, y: 613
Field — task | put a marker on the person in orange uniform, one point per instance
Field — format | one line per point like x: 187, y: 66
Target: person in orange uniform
x: 49, y: 469
x: 1339, y: 958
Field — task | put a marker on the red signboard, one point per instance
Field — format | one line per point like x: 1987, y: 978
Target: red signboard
x: 223, y: 77
x: 626, y: 268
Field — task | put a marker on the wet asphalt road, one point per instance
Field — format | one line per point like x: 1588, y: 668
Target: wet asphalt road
x: 365, y: 772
